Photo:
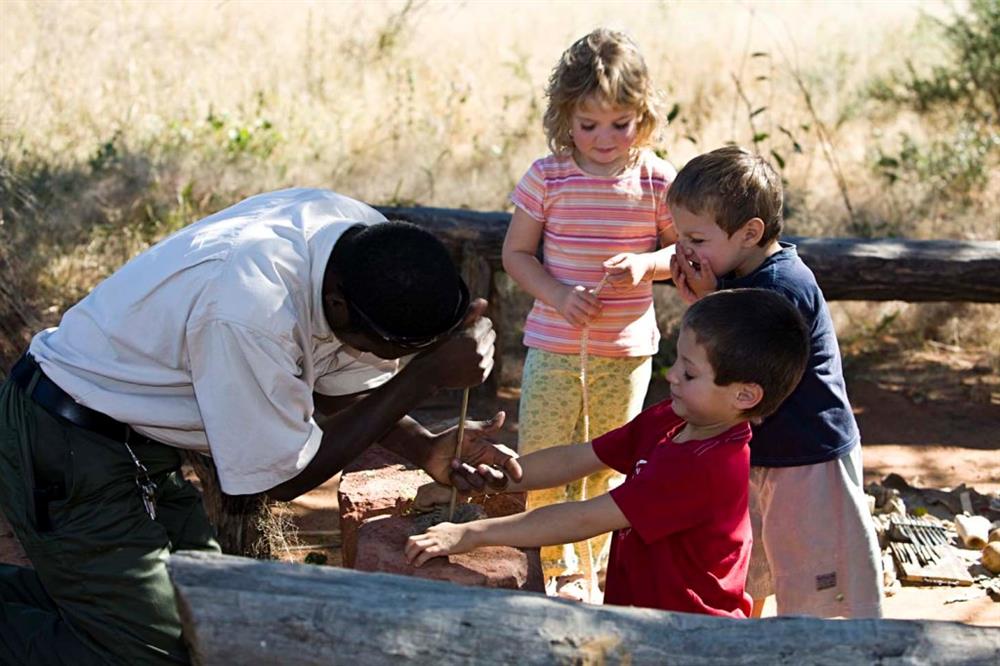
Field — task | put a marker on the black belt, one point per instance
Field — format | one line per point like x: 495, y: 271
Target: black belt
x: 47, y: 394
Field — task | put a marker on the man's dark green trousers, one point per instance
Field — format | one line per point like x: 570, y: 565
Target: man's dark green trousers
x: 99, y: 591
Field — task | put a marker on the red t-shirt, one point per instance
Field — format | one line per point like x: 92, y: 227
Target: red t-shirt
x: 688, y: 547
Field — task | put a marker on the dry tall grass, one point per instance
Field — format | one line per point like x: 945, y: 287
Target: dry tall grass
x: 122, y: 120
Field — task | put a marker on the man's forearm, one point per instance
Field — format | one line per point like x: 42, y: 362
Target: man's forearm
x: 409, y: 439
x: 352, y: 429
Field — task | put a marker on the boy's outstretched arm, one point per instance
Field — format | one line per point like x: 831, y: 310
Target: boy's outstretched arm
x: 547, y: 526
x: 546, y: 468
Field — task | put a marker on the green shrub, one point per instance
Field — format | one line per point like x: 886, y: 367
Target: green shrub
x: 959, y: 100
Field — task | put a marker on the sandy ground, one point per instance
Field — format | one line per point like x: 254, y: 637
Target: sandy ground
x: 938, y: 441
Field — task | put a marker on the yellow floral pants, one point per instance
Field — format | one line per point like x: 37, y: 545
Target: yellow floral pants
x: 551, y: 414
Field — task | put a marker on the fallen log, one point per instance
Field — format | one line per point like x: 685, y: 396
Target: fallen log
x: 904, y: 270
x: 846, y: 268
x: 244, y: 611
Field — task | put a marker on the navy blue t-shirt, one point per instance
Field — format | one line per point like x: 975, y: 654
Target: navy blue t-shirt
x: 815, y: 424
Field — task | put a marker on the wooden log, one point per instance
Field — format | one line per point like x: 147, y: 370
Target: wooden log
x: 455, y: 227
x: 904, y: 270
x: 249, y: 612
x: 846, y: 268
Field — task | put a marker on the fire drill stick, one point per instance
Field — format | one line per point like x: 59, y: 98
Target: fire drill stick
x: 458, y: 449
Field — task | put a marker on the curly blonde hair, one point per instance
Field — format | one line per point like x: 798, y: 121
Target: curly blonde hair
x: 606, y: 64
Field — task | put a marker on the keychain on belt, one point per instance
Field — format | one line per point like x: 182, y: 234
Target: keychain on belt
x: 145, y: 485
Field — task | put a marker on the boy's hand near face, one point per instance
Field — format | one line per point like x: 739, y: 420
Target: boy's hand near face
x: 692, y: 275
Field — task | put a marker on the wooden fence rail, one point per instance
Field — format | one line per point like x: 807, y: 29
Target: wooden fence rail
x: 846, y: 268
x: 241, y: 611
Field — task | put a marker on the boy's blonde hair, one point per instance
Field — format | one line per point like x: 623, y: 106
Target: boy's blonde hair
x: 606, y: 64
x: 734, y: 185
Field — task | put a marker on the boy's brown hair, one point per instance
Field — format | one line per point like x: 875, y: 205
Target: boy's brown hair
x: 606, y: 64
x: 735, y: 186
x: 754, y: 336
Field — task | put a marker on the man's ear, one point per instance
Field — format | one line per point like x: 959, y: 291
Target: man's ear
x: 747, y: 396
x: 751, y: 232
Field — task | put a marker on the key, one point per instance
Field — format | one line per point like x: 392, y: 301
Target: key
x: 147, y: 491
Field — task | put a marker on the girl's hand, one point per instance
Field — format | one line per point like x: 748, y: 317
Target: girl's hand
x: 692, y: 275
x: 438, y: 541
x: 627, y: 270
x: 578, y: 305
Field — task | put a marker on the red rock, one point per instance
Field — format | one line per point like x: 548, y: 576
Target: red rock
x: 376, y: 456
x: 380, y: 482
x: 366, y: 493
x: 504, y: 504
x: 380, y: 548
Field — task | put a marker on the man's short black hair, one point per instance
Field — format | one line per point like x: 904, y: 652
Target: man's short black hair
x: 401, y: 277
x: 754, y: 336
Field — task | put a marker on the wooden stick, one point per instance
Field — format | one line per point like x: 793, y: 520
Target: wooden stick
x: 458, y: 449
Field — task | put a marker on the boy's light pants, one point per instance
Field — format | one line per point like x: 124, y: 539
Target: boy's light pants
x: 814, y: 544
x: 551, y: 414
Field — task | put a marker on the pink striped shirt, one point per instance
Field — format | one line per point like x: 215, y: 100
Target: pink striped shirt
x: 586, y: 220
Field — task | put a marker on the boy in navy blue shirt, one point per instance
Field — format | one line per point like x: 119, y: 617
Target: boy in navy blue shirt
x: 814, y: 544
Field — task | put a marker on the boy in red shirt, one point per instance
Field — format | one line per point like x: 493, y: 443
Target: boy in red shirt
x: 681, y: 527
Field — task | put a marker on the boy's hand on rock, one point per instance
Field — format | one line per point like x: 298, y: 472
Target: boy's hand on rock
x: 578, y: 305
x: 440, y: 540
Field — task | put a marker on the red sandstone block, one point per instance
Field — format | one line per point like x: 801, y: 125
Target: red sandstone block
x: 380, y: 548
x: 380, y: 482
x: 376, y: 456
x: 504, y: 504
x: 366, y: 493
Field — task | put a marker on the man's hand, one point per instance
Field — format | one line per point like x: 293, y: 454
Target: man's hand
x: 440, y: 540
x: 463, y: 359
x: 627, y: 270
x: 430, y: 495
x: 578, y: 305
x: 484, y: 465
x: 692, y: 275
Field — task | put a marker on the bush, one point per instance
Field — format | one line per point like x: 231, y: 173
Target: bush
x: 958, y: 97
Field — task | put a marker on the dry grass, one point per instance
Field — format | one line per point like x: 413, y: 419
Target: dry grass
x: 120, y: 121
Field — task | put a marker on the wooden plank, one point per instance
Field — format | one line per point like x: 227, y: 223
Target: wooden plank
x: 918, y: 563
x: 846, y: 268
x: 249, y: 612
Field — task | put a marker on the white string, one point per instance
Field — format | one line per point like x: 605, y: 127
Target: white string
x: 584, y: 344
